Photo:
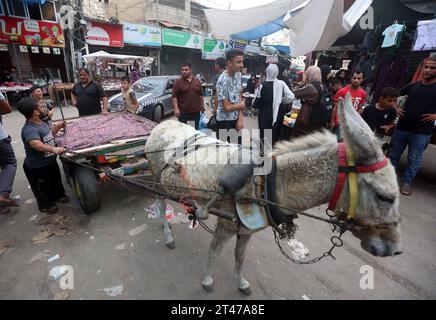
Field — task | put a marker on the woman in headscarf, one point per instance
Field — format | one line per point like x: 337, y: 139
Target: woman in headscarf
x: 309, y: 96
x: 326, y: 74
x: 272, y: 94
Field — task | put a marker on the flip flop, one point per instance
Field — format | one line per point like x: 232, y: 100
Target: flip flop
x: 9, y: 202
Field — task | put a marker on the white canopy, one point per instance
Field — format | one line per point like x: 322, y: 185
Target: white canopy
x: 224, y: 23
x: 103, y: 54
x: 313, y: 24
x: 321, y: 22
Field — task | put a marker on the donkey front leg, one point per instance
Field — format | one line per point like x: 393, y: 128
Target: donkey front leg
x: 162, y: 206
x: 220, y: 237
x: 241, y: 246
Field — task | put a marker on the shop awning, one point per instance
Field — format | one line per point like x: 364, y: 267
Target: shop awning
x: 321, y: 23
x: 313, y: 24
x: 103, y: 54
x: 35, y: 1
x: 224, y: 23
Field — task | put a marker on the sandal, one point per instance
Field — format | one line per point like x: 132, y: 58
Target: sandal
x: 51, y: 210
x: 9, y: 202
x: 4, y: 210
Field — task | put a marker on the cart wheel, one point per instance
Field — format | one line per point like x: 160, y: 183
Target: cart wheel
x: 157, y: 114
x: 87, y: 189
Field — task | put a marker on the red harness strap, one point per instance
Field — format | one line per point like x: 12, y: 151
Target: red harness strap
x: 344, y: 169
x: 342, y: 176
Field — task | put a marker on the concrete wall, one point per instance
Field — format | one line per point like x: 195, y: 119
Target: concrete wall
x: 132, y: 11
x: 169, y: 14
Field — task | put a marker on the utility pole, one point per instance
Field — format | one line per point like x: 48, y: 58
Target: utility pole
x: 159, y: 53
x: 157, y: 12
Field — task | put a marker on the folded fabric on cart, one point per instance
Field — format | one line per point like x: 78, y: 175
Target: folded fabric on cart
x: 97, y: 130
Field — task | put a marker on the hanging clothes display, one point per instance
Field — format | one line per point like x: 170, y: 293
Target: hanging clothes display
x: 393, y: 35
x: 391, y: 72
x: 426, y: 36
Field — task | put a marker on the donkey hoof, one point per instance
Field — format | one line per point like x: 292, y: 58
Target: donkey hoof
x: 171, y: 245
x: 246, y: 291
x: 208, y: 287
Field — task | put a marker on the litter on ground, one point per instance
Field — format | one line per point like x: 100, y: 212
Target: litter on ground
x: 134, y: 232
x: 298, y: 250
x: 113, y: 291
x: 41, y: 256
x: 57, y: 272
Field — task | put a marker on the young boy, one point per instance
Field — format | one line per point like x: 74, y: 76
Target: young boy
x: 40, y: 166
x: 131, y: 104
x: 381, y: 116
x: 335, y: 85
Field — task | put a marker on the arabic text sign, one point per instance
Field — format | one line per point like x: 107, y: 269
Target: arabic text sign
x: 213, y: 49
x: 142, y: 35
x: 31, y: 32
x: 181, y: 39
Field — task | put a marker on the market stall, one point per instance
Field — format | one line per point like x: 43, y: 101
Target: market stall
x: 109, y: 69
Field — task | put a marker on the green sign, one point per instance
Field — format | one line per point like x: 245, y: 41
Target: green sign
x: 181, y: 39
x: 213, y: 49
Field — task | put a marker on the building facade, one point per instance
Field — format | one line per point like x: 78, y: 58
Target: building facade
x: 31, y: 40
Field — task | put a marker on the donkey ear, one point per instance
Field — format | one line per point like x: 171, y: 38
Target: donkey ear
x: 357, y: 134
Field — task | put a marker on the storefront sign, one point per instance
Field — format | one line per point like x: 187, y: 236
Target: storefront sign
x: 104, y: 34
x: 252, y: 47
x: 272, y: 59
x: 56, y: 51
x: 213, y: 49
x: 142, y: 35
x: 46, y: 50
x: 24, y: 49
x: 31, y: 32
x: 238, y: 44
x: 181, y: 39
x: 35, y: 50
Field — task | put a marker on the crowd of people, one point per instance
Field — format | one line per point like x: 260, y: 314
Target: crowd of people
x: 399, y: 118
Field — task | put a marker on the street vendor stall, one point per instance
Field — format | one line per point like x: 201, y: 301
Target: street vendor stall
x: 110, y: 68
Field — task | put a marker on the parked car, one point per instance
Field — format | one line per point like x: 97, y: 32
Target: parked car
x: 154, y: 97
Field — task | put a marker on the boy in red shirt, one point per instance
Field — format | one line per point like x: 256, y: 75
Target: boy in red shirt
x: 357, y: 94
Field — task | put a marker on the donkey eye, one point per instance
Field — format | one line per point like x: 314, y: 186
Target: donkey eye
x: 385, y: 198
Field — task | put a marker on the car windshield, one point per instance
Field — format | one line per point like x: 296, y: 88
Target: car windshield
x: 148, y: 85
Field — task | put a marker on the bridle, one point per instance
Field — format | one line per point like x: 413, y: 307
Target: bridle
x: 348, y: 169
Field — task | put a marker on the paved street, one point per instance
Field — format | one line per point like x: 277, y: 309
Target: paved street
x: 148, y: 270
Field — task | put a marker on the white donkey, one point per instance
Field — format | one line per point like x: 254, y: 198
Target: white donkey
x: 307, y: 174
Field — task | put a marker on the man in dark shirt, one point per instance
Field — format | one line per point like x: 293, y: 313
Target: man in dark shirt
x: 87, y: 94
x: 381, y: 116
x: 40, y: 166
x: 188, y: 99
x: 416, y: 124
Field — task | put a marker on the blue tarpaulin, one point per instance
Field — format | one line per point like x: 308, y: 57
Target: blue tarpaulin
x: 35, y: 1
x: 261, y: 31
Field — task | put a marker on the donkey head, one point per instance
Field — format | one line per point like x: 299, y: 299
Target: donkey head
x: 377, y: 215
